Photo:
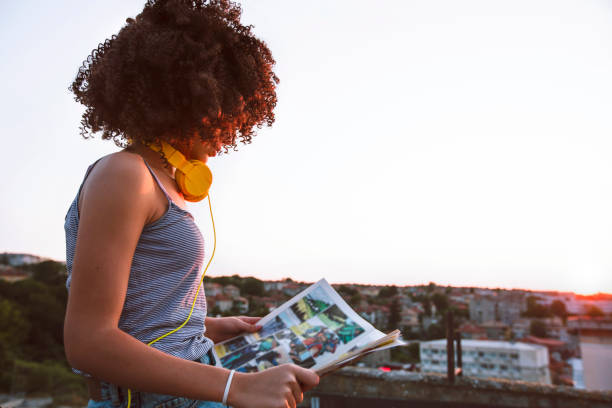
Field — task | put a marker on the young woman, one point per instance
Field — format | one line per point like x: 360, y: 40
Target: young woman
x: 189, y: 75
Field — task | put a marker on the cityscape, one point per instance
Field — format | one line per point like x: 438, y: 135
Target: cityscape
x: 545, y: 338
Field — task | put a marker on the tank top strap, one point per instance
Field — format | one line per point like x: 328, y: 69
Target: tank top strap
x: 159, y: 183
x: 89, y: 169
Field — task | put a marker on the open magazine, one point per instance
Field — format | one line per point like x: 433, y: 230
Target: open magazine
x: 315, y: 329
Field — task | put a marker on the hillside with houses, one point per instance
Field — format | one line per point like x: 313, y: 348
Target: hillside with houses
x: 33, y: 298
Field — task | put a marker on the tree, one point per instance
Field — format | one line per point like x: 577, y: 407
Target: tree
x: 558, y: 309
x: 388, y: 291
x: 440, y: 301
x: 534, y: 309
x: 252, y: 286
x: 594, y: 311
x: 394, y: 315
x: 426, y: 306
x: 414, y: 351
x: 537, y: 328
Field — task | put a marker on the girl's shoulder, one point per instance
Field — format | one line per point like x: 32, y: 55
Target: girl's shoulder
x: 119, y: 175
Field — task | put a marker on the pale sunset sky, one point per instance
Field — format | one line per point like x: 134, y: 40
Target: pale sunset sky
x: 461, y: 142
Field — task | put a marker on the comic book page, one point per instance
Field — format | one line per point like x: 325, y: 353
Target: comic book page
x: 313, y: 329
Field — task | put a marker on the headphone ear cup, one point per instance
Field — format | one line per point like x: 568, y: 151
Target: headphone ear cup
x: 195, y: 182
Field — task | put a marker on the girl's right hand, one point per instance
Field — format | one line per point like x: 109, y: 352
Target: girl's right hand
x: 276, y: 387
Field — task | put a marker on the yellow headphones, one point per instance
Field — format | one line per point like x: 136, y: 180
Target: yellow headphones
x: 193, y: 177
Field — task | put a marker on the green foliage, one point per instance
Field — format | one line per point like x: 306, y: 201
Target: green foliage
x: 407, y: 355
x: 414, y: 350
x: 50, y: 377
x: 388, y: 292
x: 426, y: 302
x: 594, y: 311
x: 537, y: 328
x: 248, y: 286
x: 48, y: 272
x: 558, y: 308
x: 435, y: 331
x: 31, y: 318
x: 347, y: 291
x: 441, y: 302
x: 355, y: 299
x: 534, y: 309
x: 394, y: 315
x: 257, y: 308
x: 252, y: 286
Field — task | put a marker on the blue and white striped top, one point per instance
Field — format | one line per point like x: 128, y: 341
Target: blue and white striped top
x: 164, y: 277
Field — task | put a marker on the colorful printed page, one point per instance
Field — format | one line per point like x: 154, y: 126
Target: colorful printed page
x: 314, y: 329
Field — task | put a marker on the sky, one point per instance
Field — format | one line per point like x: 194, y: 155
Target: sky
x: 461, y: 142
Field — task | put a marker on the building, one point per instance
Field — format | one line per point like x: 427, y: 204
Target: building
x: 491, y: 359
x: 231, y: 291
x: 223, y: 302
x: 482, y: 309
x: 410, y: 318
x: 506, y: 309
x: 11, y: 275
x: 213, y: 289
x: 496, y: 330
x: 595, y: 336
x: 577, y: 373
x: 472, y: 331
x: 19, y: 259
x: 242, y: 304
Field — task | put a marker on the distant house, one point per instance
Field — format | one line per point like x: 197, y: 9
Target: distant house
x: 472, y: 331
x: 489, y: 308
x: 10, y: 274
x: 292, y: 289
x: 595, y: 339
x: 274, y: 285
x: 231, y: 291
x: 495, y: 330
x: 370, y: 291
x: 410, y: 318
x: 20, y: 259
x: 223, y: 302
x: 375, y: 314
x: 213, y: 289
x: 521, y: 328
x: 242, y: 304
x: 482, y: 309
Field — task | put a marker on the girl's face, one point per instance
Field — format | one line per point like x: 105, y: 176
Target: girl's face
x: 203, y: 150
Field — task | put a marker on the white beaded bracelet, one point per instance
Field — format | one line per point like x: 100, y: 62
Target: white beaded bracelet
x: 227, y: 387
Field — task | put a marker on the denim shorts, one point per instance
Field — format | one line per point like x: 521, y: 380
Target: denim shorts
x: 116, y: 397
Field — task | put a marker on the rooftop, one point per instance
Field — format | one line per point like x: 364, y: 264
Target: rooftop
x: 492, y: 344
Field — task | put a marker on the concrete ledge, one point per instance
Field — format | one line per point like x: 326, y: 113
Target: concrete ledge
x: 358, y: 383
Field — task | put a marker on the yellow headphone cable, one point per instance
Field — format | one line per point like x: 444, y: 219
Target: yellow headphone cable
x: 197, y: 292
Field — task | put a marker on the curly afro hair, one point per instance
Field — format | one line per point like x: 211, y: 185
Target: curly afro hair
x: 180, y: 68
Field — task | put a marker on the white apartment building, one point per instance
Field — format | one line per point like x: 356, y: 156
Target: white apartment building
x: 491, y: 359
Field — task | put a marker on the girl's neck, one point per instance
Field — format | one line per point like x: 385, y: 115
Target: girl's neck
x: 153, y: 158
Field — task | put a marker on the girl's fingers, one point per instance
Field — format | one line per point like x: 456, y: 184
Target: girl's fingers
x: 250, y: 319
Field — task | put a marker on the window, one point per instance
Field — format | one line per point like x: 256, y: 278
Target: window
x: 514, y: 356
x: 480, y: 354
x: 503, y: 367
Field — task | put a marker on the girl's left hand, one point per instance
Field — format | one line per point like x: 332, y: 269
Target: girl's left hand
x: 219, y: 329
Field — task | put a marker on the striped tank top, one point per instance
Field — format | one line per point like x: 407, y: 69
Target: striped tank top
x: 164, y: 277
